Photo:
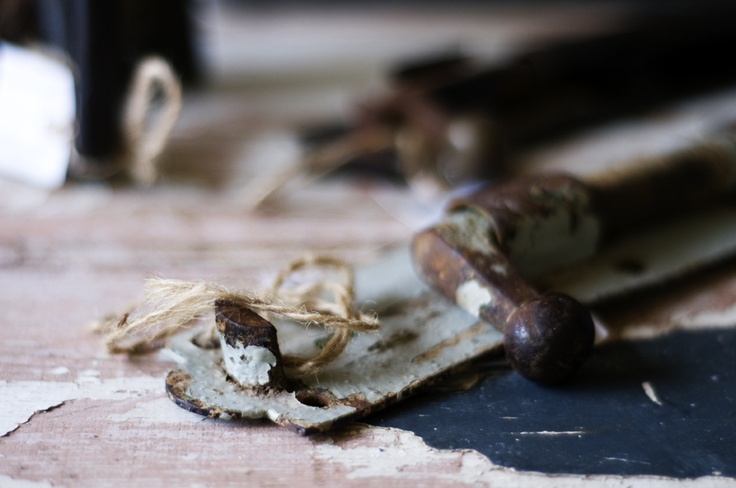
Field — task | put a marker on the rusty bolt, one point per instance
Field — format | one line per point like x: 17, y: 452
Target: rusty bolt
x: 250, y: 347
x: 548, y: 337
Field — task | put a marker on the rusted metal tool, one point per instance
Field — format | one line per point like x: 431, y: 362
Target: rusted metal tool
x: 490, y: 256
x: 454, y: 118
x: 493, y: 242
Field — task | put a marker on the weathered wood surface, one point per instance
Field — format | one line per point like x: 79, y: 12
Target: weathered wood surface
x: 73, y: 415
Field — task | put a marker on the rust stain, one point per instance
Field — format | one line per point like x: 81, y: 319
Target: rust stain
x: 177, y: 384
x: 403, y: 306
x: 357, y: 400
x: 466, y: 335
x: 398, y: 338
x: 323, y: 398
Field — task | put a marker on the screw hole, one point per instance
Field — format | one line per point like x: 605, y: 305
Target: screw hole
x: 313, y: 398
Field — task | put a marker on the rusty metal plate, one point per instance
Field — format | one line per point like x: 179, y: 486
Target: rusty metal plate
x: 422, y: 336
x: 651, y: 257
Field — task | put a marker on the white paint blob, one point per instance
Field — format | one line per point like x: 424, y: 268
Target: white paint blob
x: 248, y: 366
x: 472, y: 296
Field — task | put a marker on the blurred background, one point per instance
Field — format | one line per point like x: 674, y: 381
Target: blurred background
x: 325, y: 70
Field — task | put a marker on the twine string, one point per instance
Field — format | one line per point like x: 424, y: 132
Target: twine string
x: 176, y: 305
x: 151, y: 111
x: 312, y: 297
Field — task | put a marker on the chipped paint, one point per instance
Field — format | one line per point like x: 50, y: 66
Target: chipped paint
x: 370, y: 454
x: 560, y: 238
x: 8, y: 482
x: 21, y: 400
x: 395, y: 454
x: 467, y: 335
x: 249, y: 366
x: 472, y: 229
x: 88, y: 376
x: 651, y: 393
x: 552, y: 432
x: 158, y: 411
x: 472, y: 296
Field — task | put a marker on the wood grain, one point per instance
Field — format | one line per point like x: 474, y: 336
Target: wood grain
x: 72, y: 415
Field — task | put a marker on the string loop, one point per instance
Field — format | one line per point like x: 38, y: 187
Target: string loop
x: 176, y: 305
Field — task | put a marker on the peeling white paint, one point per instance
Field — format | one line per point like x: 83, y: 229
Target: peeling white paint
x: 396, y: 456
x: 472, y: 296
x: 61, y: 370
x: 471, y: 229
x: 89, y: 376
x: 273, y: 414
x: 624, y: 460
x: 158, y: 411
x: 8, y: 482
x: 650, y: 393
x: 23, y: 399
x: 249, y: 366
x: 551, y: 432
x: 560, y: 238
x: 167, y: 354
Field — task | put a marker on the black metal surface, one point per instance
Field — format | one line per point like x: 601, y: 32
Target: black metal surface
x: 603, y: 422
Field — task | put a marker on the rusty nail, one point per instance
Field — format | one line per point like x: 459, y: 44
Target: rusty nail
x: 250, y: 347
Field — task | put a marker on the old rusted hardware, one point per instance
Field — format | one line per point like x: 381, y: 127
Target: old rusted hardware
x: 250, y: 347
x: 422, y: 337
x: 513, y: 238
x: 492, y: 243
x: 452, y: 118
x: 469, y: 258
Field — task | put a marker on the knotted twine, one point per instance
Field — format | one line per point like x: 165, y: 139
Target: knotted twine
x: 177, y: 305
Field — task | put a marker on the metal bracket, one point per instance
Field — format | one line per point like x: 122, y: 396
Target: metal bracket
x: 423, y: 336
